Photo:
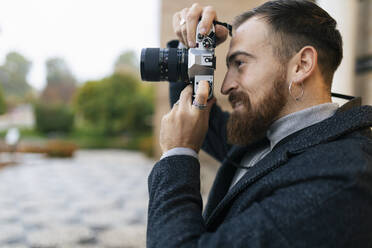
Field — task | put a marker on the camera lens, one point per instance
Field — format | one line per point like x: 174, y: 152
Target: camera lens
x: 169, y: 64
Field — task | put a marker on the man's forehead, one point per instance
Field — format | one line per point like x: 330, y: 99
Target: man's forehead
x: 253, y: 34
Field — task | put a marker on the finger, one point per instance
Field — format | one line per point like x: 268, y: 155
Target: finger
x: 176, y: 25
x: 175, y: 105
x: 185, y: 97
x: 183, y: 26
x: 165, y: 118
x: 192, y: 19
x: 184, y: 35
x: 208, y: 16
x: 176, y: 20
x: 202, y: 92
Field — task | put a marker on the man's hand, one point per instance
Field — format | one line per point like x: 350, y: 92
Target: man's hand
x: 186, y: 31
x: 186, y: 125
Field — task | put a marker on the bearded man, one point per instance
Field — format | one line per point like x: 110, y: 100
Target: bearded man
x: 296, y: 168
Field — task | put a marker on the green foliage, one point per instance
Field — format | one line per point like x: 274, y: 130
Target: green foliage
x: 58, y: 72
x: 13, y: 75
x: 87, y: 138
x: 116, y: 104
x: 61, y: 84
x: 127, y: 59
x: 2, y: 102
x: 53, y: 118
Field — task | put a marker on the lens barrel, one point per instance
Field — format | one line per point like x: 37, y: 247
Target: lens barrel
x: 168, y: 64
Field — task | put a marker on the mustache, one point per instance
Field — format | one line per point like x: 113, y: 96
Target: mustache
x: 239, y: 96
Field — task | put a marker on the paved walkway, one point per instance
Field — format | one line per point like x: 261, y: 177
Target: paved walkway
x: 97, y: 199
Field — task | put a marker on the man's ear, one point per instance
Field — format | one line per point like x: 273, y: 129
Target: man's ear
x: 304, y: 64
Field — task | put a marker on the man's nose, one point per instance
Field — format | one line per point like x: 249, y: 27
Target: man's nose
x: 229, y: 84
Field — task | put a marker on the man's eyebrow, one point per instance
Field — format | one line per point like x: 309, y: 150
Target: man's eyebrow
x: 232, y: 56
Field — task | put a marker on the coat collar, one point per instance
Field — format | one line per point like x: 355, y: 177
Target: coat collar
x: 346, y: 120
x: 223, y: 178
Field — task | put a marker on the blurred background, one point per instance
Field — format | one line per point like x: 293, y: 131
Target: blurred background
x: 79, y: 130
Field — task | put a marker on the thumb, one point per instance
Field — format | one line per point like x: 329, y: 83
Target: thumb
x: 201, y: 95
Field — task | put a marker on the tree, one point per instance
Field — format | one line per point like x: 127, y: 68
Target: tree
x: 2, y: 102
x: 53, y: 118
x: 116, y: 104
x: 89, y: 102
x: 13, y: 75
x: 61, y: 84
x: 58, y: 72
x: 127, y: 62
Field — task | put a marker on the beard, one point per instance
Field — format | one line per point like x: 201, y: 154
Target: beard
x: 251, y: 123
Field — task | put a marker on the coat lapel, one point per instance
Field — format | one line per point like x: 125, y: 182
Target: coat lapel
x: 223, y: 179
x: 269, y: 163
x: 341, y: 123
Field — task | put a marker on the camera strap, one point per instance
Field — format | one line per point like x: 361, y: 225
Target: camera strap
x: 226, y: 25
x: 346, y: 97
x: 353, y: 100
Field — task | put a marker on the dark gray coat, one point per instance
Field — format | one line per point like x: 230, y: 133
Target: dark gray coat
x: 313, y: 190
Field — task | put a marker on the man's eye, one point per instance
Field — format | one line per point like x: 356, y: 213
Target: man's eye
x: 238, y: 63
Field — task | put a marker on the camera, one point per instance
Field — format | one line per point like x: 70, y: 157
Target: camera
x: 182, y: 65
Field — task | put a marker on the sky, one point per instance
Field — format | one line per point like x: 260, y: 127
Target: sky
x: 88, y: 34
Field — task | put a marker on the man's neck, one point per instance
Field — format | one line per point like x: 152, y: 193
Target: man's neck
x: 307, y: 101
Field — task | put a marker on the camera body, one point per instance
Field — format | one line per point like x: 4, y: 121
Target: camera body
x: 182, y: 65
x: 202, y: 60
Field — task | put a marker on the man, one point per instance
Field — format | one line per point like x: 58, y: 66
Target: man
x: 296, y: 168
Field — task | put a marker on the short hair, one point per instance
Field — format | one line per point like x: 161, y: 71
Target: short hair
x: 298, y: 23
